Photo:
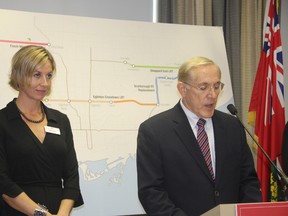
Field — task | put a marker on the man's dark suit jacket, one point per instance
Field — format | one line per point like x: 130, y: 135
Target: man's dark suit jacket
x: 285, y: 150
x: 173, y: 178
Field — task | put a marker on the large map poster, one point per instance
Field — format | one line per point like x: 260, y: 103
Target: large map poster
x: 111, y: 75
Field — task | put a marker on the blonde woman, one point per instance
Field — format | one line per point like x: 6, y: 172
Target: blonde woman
x: 38, y: 164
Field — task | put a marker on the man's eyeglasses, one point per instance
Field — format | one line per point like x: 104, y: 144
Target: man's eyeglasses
x: 205, y: 87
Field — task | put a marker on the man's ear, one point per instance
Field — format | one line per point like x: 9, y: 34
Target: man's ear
x: 182, y: 88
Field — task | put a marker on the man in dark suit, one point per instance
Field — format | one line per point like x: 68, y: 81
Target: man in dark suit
x: 174, y: 176
x: 285, y: 150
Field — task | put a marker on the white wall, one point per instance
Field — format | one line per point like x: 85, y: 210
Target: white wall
x: 284, y: 36
x: 138, y: 10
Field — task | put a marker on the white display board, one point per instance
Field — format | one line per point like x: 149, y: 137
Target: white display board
x: 111, y: 76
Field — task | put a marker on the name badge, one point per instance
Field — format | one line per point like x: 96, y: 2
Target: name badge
x: 52, y: 130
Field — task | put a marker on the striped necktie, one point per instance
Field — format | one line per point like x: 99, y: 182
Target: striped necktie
x: 202, y: 139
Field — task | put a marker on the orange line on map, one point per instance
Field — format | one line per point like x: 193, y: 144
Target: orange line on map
x: 100, y: 101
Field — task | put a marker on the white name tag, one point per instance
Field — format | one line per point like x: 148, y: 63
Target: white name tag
x: 52, y: 130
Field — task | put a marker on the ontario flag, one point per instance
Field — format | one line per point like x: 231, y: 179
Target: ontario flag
x: 266, y: 110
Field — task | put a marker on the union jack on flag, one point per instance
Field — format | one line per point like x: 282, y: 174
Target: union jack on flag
x: 266, y: 110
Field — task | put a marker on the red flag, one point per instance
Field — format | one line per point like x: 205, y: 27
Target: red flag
x: 266, y: 110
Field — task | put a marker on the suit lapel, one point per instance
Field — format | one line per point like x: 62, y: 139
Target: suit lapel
x: 220, y: 143
x: 185, y: 133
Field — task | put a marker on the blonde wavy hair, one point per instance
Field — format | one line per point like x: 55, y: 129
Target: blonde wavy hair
x: 25, y: 62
